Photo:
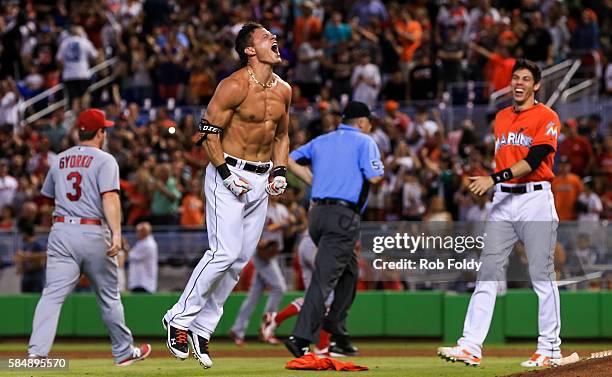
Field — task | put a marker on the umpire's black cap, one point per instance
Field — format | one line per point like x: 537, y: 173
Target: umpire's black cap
x: 356, y: 109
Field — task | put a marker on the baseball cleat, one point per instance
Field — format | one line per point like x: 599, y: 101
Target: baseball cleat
x: 458, y: 353
x: 268, y: 326
x: 323, y: 352
x: 341, y: 346
x: 176, y: 341
x: 297, y: 346
x: 537, y: 360
x: 199, y: 346
x: 237, y: 340
x: 138, y: 353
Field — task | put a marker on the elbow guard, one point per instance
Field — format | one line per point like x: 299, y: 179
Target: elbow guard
x: 536, y: 154
x: 204, y: 129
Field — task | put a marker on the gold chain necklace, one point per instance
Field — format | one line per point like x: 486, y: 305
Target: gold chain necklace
x: 268, y: 85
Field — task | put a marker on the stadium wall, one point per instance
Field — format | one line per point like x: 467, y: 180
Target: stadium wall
x: 584, y: 315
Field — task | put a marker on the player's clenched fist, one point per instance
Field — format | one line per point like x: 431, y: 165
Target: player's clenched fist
x: 236, y: 185
x: 277, y: 186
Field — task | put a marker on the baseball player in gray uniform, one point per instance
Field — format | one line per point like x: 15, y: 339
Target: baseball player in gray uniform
x: 85, y: 237
x: 267, y: 273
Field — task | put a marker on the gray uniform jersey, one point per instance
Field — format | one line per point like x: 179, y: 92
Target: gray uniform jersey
x: 77, y: 180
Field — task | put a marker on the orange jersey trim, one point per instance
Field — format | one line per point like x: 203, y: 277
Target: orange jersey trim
x: 516, y: 132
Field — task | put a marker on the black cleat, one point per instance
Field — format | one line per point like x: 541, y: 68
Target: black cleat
x: 176, y: 341
x: 297, y: 346
x: 199, y: 346
x: 341, y: 346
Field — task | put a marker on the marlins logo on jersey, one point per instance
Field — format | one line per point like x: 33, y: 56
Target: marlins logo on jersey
x: 513, y: 138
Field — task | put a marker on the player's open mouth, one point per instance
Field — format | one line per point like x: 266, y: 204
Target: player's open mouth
x: 519, y: 92
x: 275, y: 47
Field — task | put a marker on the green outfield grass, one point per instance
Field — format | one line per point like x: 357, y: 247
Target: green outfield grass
x: 270, y: 367
x: 274, y: 366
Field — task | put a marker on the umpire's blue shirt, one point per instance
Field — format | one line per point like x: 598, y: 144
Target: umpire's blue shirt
x: 342, y: 163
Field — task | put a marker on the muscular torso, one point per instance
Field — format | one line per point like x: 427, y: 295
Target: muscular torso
x: 250, y: 132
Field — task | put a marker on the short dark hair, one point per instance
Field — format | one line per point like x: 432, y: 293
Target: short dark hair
x: 530, y: 66
x: 87, y: 135
x: 244, y: 39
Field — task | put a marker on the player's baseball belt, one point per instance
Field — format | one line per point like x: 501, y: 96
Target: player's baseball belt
x: 244, y: 165
x: 335, y: 202
x: 522, y: 189
x: 76, y: 220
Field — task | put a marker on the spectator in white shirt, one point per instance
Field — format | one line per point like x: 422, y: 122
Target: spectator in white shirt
x: 8, y: 185
x: 74, y: 54
x: 9, y: 104
x: 142, y: 272
x: 589, y: 203
x: 366, y: 81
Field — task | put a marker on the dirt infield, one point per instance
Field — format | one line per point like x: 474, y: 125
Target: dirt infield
x: 591, y: 368
x: 280, y: 351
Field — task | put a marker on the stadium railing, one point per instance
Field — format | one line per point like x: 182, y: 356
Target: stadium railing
x: 54, y: 98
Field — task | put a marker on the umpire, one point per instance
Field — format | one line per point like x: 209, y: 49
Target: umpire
x: 344, y: 163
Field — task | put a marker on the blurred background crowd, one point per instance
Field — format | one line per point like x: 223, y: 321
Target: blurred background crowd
x: 401, y: 58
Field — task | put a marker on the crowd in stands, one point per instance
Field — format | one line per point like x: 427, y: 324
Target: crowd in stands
x: 388, y: 54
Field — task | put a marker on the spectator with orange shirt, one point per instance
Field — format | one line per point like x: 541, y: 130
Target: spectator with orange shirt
x: 307, y: 27
x: 192, y: 208
x: 6, y: 218
x: 499, y: 66
x: 566, y: 186
x: 576, y: 148
x: 409, y: 33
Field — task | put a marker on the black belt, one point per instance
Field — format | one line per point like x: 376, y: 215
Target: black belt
x: 336, y: 202
x: 255, y: 168
x: 519, y: 189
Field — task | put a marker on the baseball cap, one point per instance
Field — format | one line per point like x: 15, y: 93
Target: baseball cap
x: 93, y: 120
x: 571, y: 122
x: 356, y: 109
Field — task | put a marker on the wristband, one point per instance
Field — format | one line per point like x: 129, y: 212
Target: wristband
x: 279, y: 171
x: 502, y: 176
x: 224, y: 171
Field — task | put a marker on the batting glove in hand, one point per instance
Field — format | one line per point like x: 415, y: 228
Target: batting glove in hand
x: 236, y: 185
x: 277, y: 186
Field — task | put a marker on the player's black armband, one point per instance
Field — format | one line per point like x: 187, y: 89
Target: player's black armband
x: 279, y: 171
x: 502, y: 176
x: 223, y: 170
x: 536, y: 154
x: 205, y: 128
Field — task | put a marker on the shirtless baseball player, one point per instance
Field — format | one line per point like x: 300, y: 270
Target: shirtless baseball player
x: 85, y: 237
x: 523, y: 209
x: 245, y: 134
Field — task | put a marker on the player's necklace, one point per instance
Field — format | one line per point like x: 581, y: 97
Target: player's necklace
x: 270, y: 84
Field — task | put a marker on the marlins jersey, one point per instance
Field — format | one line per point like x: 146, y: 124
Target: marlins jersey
x: 516, y: 132
x: 77, y: 180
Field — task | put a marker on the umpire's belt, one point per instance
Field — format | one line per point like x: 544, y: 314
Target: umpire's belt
x: 244, y: 165
x: 76, y: 220
x: 335, y: 202
x: 521, y: 189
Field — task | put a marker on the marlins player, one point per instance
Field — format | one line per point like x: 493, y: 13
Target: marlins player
x: 245, y: 126
x: 268, y: 273
x: 523, y: 209
x: 85, y: 237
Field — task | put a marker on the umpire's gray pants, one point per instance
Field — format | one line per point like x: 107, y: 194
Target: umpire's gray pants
x: 267, y: 274
x: 73, y: 249
x: 335, y: 230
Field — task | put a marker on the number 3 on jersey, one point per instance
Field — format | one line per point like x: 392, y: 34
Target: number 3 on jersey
x: 75, y: 178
